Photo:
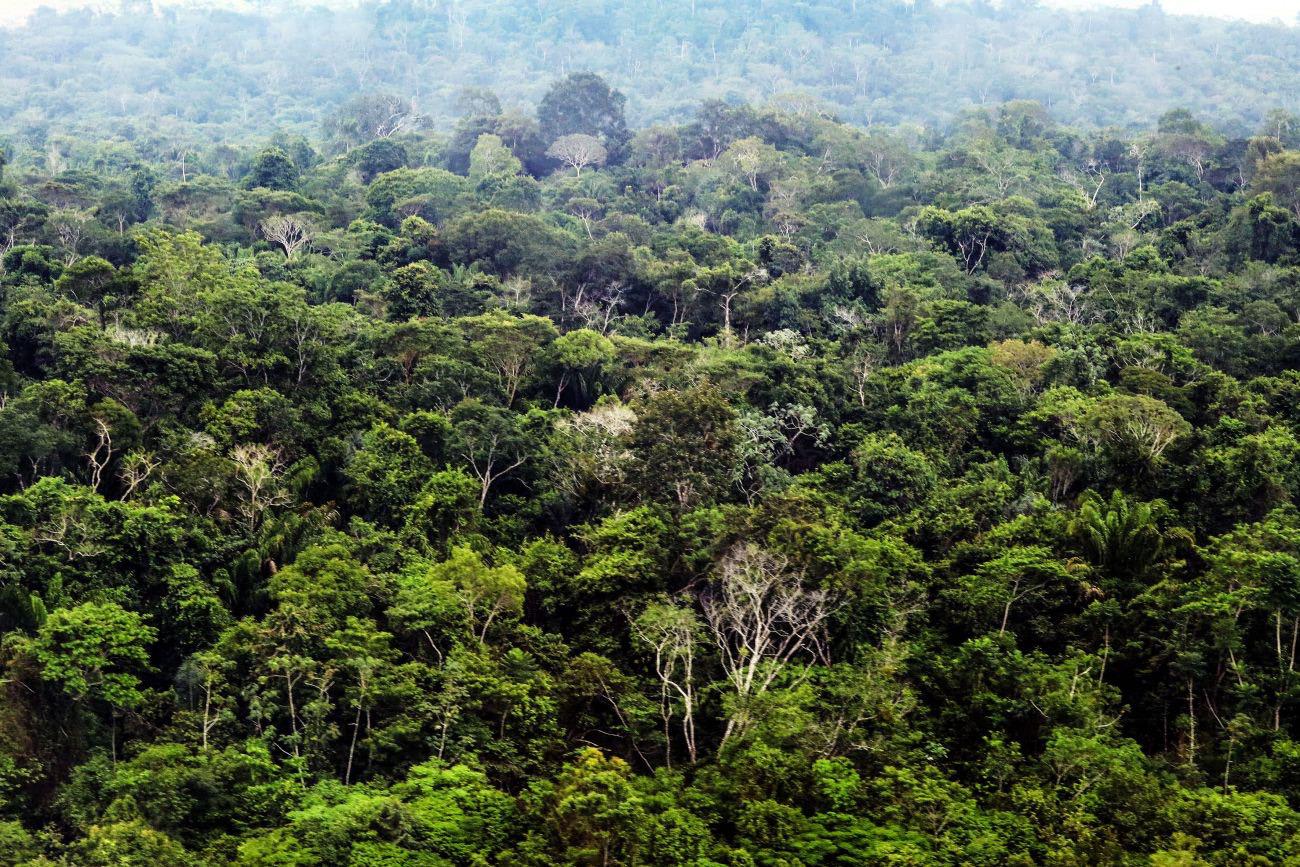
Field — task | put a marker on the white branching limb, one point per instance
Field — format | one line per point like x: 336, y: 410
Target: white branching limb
x: 259, y: 475
x: 135, y: 471
x: 596, y: 455
x: 598, y: 310
x: 1087, y: 183
x: 764, y: 620
x: 671, y: 633
x: 290, y: 232
x: 1152, y: 435
x: 72, y: 228
x: 99, y: 456
x: 1055, y: 300
x: 490, y: 466
x: 578, y: 151
x: 397, y: 122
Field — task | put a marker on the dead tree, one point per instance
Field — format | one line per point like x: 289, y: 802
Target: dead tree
x: 765, y: 622
x: 259, y: 473
x: 101, y: 454
x: 671, y: 632
x: 578, y: 151
x: 289, y: 232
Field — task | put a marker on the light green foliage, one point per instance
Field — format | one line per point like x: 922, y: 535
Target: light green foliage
x: 760, y: 489
x: 485, y: 593
x: 491, y: 157
x: 94, y: 651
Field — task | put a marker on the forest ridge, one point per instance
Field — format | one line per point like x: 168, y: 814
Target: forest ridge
x: 192, y: 76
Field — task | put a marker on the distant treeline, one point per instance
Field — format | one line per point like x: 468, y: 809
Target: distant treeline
x: 187, y: 77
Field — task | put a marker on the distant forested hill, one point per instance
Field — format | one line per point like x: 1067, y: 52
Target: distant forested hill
x: 196, y: 76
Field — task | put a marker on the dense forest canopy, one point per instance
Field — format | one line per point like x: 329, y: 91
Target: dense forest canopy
x: 187, y: 76
x: 589, y: 472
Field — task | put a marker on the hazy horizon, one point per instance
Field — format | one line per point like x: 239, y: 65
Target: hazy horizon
x: 15, y: 12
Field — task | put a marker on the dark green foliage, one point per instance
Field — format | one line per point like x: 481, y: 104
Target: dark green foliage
x: 780, y: 492
x: 584, y: 103
x: 273, y: 170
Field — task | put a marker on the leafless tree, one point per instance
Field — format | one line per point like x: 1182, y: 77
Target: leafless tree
x: 1191, y: 149
x: 181, y: 153
x: 457, y: 23
x: 290, y: 232
x: 201, y: 677
x: 71, y: 227
x: 883, y: 166
x: 304, y: 336
x: 13, y: 222
x: 765, y: 621
x: 672, y: 632
x: 488, y: 593
x: 578, y: 151
x: 489, y: 458
x: 389, y: 115
x: 767, y: 439
x: 516, y: 293
x: 863, y: 362
x: 54, y: 162
x: 259, y: 474
x: 588, y: 211
x: 135, y: 471
x: 99, y: 456
x: 1145, y: 424
x: 1001, y: 165
x: 885, y: 156
x: 1055, y: 300
x: 598, y: 310
x: 1134, y: 214
x: 1087, y: 183
x: 753, y: 159
x: 1137, y: 152
x: 595, y: 455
